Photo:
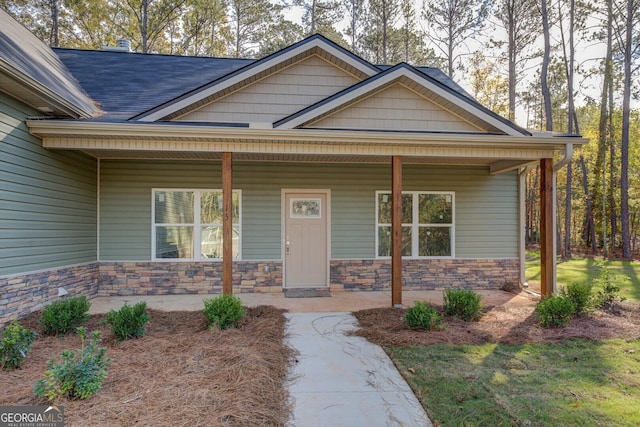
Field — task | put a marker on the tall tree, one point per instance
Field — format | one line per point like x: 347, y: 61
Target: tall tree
x: 517, y: 17
x: 627, y: 32
x: 319, y: 16
x: 355, y: 12
x: 145, y: 21
x: 487, y: 85
x: 546, y: 57
x: 451, y: 23
x: 250, y: 21
x: 205, y: 28
x: 383, y: 15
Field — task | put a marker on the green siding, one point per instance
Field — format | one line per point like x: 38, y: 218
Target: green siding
x: 47, y: 199
x: 486, y: 206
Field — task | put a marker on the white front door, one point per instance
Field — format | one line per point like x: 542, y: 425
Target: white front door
x: 305, y: 239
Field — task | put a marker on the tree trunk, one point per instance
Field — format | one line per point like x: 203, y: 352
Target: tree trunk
x: 544, y: 84
x: 54, y: 38
x: 624, y: 148
x: 144, y: 26
x: 512, y: 60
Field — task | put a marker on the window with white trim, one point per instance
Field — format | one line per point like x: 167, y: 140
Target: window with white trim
x: 427, y: 224
x: 187, y: 224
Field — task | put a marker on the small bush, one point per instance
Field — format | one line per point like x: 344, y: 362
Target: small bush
x: 421, y: 315
x: 14, y: 345
x: 64, y: 316
x: 462, y: 303
x: 80, y: 375
x: 580, y: 295
x: 609, y: 292
x: 128, y: 322
x: 556, y: 311
x: 223, y: 311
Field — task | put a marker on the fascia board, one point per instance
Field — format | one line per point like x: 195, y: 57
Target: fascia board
x: 151, y: 131
x: 43, y: 92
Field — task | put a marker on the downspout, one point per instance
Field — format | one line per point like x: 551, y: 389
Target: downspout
x: 521, y: 224
x: 568, y: 154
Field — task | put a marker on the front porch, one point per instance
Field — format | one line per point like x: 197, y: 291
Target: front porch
x: 338, y: 302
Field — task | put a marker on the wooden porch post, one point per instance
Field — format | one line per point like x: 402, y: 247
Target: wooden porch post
x: 396, y: 231
x: 546, y: 227
x: 227, y: 224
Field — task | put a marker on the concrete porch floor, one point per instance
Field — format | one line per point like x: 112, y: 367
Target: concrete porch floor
x: 338, y: 302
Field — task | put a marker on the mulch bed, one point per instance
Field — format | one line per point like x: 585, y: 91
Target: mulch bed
x: 502, y: 324
x: 180, y: 373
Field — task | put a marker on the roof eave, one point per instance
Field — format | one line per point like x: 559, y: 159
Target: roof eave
x: 56, y: 102
x: 157, y: 131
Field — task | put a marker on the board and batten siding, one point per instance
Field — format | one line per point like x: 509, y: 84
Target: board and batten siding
x: 392, y: 108
x: 486, y: 205
x: 278, y: 95
x: 47, y: 199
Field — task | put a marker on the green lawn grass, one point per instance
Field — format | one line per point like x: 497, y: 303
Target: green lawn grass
x: 624, y: 274
x: 569, y: 383
x: 573, y: 383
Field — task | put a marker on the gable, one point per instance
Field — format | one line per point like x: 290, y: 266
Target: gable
x: 395, y: 107
x: 277, y: 95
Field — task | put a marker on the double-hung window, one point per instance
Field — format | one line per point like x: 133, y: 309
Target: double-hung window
x: 187, y: 224
x: 427, y: 224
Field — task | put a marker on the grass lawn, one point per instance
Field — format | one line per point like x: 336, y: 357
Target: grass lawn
x: 624, y: 274
x: 573, y: 383
x: 475, y: 374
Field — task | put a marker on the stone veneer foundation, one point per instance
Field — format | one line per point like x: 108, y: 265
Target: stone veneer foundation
x: 26, y: 293
x: 166, y: 278
x: 426, y: 274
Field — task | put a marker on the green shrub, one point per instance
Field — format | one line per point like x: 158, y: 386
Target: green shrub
x: 556, y: 311
x: 609, y: 292
x: 80, y: 375
x: 421, y: 315
x: 64, y: 316
x: 14, y: 345
x: 462, y: 303
x: 223, y: 311
x: 580, y: 295
x: 128, y: 322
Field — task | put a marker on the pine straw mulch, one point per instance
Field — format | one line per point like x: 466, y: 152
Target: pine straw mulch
x: 500, y: 324
x: 179, y: 373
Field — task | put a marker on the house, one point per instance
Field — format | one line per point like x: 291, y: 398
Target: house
x: 125, y: 173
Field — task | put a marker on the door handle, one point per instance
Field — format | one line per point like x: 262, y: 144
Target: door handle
x: 286, y: 244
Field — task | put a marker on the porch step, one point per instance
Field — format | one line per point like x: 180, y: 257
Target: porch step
x: 306, y: 292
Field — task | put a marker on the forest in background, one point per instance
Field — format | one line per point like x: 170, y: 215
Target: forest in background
x: 568, y: 66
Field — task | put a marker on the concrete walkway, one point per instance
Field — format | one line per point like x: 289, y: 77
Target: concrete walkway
x: 343, y: 380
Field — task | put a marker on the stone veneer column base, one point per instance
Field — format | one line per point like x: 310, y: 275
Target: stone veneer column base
x: 426, y: 274
x: 169, y: 278
x: 26, y: 293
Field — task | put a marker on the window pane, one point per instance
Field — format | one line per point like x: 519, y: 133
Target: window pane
x: 384, y: 241
x: 174, y: 207
x: 384, y: 208
x: 435, y: 209
x: 406, y: 241
x: 174, y: 242
x: 407, y: 208
x: 211, y: 207
x: 434, y: 241
x: 211, y: 242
